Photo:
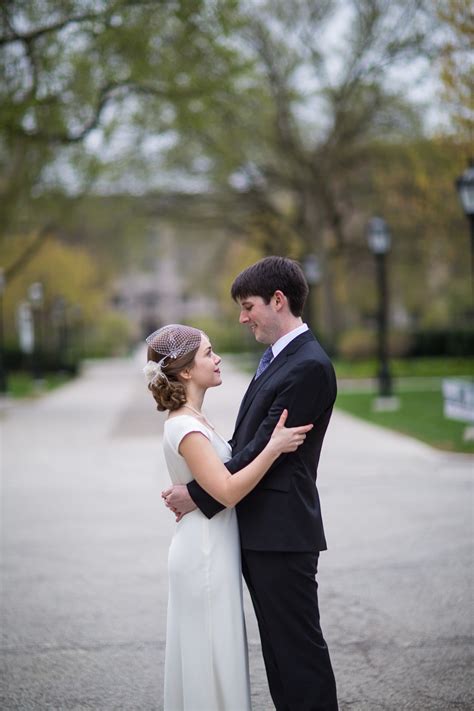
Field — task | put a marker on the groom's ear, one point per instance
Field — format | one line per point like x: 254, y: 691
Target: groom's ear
x: 279, y: 299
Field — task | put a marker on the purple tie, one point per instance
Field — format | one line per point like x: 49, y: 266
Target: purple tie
x: 265, y: 361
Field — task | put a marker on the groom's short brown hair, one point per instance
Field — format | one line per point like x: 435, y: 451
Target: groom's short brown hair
x: 269, y: 275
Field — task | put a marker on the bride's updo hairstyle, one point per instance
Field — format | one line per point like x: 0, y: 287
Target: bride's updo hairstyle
x: 171, y: 350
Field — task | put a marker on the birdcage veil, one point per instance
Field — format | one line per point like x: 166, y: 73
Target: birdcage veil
x: 170, y: 342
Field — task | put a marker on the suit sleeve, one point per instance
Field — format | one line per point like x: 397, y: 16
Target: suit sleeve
x: 203, y: 500
x: 306, y: 395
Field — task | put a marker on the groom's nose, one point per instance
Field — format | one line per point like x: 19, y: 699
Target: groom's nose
x: 243, y: 317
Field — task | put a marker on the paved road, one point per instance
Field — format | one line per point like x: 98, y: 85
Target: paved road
x: 85, y: 537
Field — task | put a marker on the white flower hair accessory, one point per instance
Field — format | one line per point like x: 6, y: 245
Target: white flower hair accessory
x: 153, y: 372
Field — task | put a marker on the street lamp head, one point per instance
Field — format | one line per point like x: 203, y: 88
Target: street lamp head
x: 312, y: 269
x: 378, y: 235
x: 465, y: 188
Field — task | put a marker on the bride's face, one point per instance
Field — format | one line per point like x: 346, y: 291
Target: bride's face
x: 205, y: 372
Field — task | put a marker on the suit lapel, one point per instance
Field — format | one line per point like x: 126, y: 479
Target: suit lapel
x: 274, y: 366
x: 255, y: 386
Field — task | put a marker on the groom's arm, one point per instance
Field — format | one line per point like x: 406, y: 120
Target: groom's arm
x: 202, y: 499
x: 306, y: 395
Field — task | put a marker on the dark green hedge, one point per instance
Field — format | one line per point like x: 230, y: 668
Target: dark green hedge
x: 458, y: 342
x: 15, y: 360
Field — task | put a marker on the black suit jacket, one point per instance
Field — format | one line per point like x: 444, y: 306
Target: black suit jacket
x: 283, y: 512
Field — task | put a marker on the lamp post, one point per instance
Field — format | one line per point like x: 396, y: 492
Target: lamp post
x: 3, y: 373
x: 78, y: 331
x: 313, y: 273
x: 465, y: 188
x: 378, y: 237
x: 59, y: 322
x: 35, y: 295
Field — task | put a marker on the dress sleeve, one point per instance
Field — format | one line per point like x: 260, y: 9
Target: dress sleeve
x: 179, y: 427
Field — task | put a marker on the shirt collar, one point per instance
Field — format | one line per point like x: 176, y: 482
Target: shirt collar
x: 282, y: 342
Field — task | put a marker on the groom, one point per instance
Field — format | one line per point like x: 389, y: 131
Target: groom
x: 280, y: 522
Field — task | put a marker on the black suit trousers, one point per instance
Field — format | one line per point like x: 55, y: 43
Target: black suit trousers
x: 284, y: 593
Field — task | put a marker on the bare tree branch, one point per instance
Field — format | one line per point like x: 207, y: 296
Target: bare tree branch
x: 29, y: 37
x: 33, y: 35
x: 105, y: 95
x: 284, y: 124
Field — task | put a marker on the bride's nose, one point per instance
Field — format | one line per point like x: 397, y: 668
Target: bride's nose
x: 217, y: 359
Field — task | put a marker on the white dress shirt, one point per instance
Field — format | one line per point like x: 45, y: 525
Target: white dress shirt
x: 282, y: 342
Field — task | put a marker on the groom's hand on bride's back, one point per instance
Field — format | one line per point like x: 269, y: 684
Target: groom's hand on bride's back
x: 178, y: 500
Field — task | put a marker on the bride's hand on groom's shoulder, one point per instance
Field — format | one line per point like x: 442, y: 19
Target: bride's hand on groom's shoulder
x: 178, y: 500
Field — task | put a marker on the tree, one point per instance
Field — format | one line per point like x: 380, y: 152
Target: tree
x: 77, y: 73
x: 281, y: 125
x: 74, y: 310
x: 294, y: 146
x: 457, y: 63
x: 429, y: 261
x: 76, y: 68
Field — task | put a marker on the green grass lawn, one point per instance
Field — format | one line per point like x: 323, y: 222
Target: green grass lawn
x: 420, y: 415
x: 23, y: 385
x: 407, y: 367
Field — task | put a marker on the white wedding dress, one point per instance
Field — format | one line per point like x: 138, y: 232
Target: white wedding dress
x: 206, y: 660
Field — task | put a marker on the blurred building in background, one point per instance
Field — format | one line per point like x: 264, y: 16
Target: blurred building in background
x: 161, y: 294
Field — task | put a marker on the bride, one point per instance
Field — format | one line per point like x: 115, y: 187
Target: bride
x: 206, y: 660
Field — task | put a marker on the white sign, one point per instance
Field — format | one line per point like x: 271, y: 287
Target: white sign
x: 458, y: 399
x: 26, y: 329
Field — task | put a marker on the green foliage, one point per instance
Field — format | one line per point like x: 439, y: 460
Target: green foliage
x: 50, y: 360
x: 297, y: 147
x: 109, y: 335
x: 443, y: 342
x: 406, y: 368
x: 77, y: 68
x: 115, y: 230
x: 22, y: 384
x: 420, y: 415
x: 66, y: 272
x: 361, y: 343
x: 429, y: 264
x: 457, y: 63
x: 74, y: 319
x: 295, y: 128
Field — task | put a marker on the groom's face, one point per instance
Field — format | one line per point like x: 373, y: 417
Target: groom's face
x: 261, y: 318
